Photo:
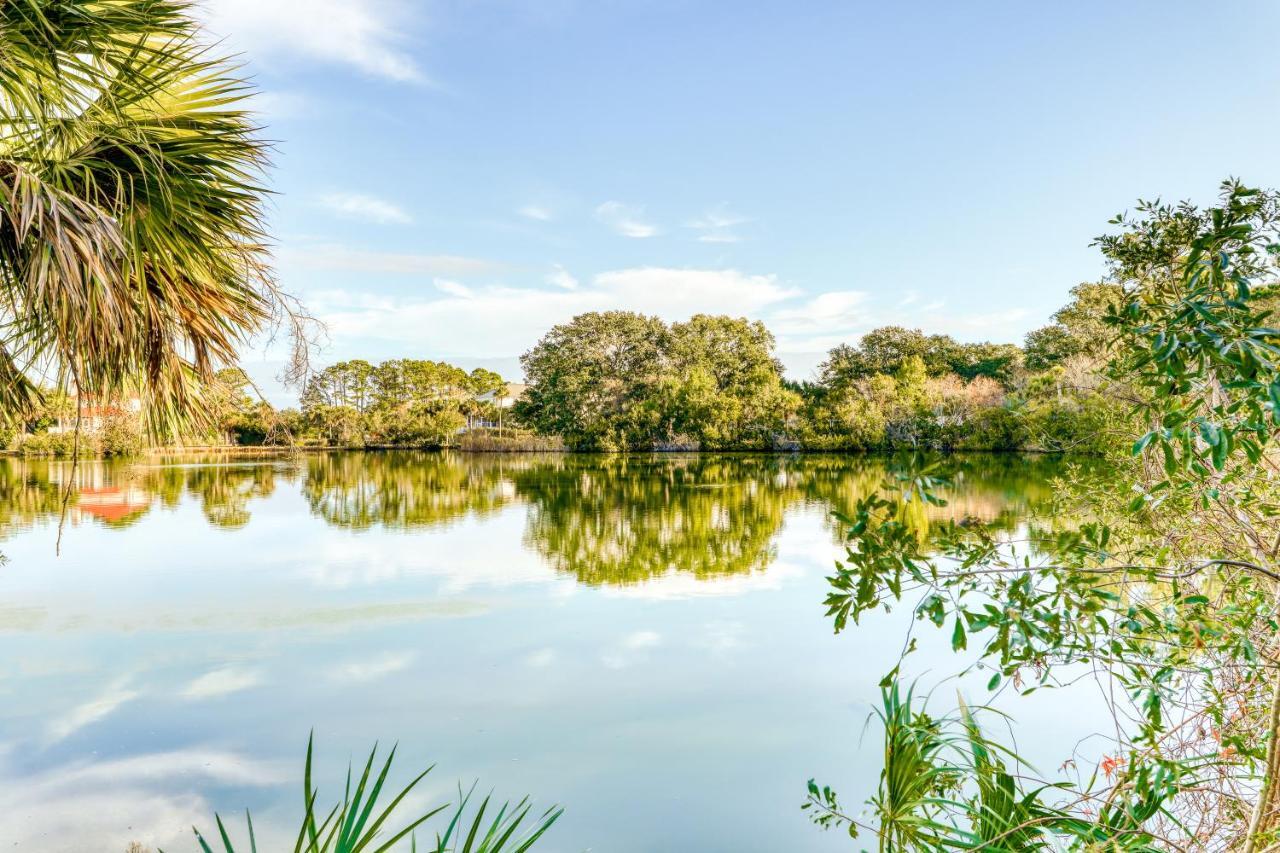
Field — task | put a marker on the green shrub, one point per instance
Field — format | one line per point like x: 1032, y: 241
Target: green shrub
x: 999, y: 428
x: 60, y: 444
x: 359, y: 823
x: 1073, y: 424
x: 121, y: 435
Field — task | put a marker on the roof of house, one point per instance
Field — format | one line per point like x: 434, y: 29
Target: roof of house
x: 112, y: 503
x: 511, y: 392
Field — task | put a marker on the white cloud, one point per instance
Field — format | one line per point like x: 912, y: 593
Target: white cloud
x: 675, y: 294
x: 362, y: 34
x: 838, y: 313
x: 280, y: 105
x: 625, y: 220
x: 104, y: 805
x: 717, y: 225
x: 541, y: 659
x: 535, y: 212
x: 221, y: 682
x: 453, y: 288
x: 101, y: 706
x: 642, y: 640
x: 225, y: 768
x: 631, y: 649
x: 333, y: 256
x: 497, y: 319
x: 486, y: 321
x: 721, y: 638
x: 365, y: 208
x: 560, y: 277
x: 843, y: 316
x: 374, y: 668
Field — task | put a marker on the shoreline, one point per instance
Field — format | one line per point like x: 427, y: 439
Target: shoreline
x: 280, y: 451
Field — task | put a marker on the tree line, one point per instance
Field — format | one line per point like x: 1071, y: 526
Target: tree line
x: 400, y: 402
x: 618, y: 380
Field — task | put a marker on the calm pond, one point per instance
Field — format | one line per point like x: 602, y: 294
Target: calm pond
x: 639, y: 639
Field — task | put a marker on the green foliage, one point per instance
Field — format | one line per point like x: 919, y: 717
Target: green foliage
x: 120, y: 435
x: 360, y: 821
x: 621, y: 381
x: 60, y: 444
x: 724, y: 386
x: 593, y: 380
x: 995, y: 428
x: 885, y: 350
x: 1168, y: 593
x: 400, y: 402
x: 115, y: 434
x: 131, y: 234
x: 945, y: 785
x: 482, y: 381
x: 349, y: 385
x: 238, y: 416
x: 1078, y: 329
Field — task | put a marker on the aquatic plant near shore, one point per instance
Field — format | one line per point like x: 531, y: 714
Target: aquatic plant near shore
x: 353, y: 826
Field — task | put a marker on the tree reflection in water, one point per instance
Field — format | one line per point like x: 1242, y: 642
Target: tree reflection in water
x: 614, y: 520
x: 406, y: 489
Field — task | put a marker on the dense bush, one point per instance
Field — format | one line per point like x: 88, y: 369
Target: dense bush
x: 55, y: 444
x: 617, y: 381
x: 120, y: 435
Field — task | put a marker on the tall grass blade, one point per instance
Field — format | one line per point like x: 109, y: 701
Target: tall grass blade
x: 355, y: 824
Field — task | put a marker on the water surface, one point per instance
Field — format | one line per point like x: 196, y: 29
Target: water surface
x: 640, y: 639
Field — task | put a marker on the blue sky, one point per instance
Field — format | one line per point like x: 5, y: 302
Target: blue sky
x: 455, y: 177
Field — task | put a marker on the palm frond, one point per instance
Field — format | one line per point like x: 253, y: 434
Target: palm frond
x: 133, y: 256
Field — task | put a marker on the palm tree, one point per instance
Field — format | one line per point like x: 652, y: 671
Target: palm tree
x: 133, y: 257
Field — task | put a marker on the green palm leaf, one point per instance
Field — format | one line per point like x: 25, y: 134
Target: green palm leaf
x: 133, y: 256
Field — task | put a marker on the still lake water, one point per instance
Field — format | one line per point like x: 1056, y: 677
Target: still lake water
x: 639, y: 639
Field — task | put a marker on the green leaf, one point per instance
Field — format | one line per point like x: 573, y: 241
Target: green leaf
x: 1141, y: 444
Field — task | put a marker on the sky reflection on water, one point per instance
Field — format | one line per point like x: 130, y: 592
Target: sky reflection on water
x: 639, y: 639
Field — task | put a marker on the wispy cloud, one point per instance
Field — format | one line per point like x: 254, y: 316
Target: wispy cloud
x: 99, y: 707
x: 541, y: 659
x: 721, y: 638
x: 373, y: 668
x: 631, y: 649
x: 561, y: 278
x: 335, y: 256
x: 221, y: 682
x: 498, y: 319
x: 717, y: 225
x: 365, y: 207
x: 453, y: 288
x: 625, y: 220
x: 642, y: 640
x: 833, y: 312
x: 367, y: 35
x: 488, y: 320
x: 536, y: 212
x: 106, y: 804
x: 277, y: 105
